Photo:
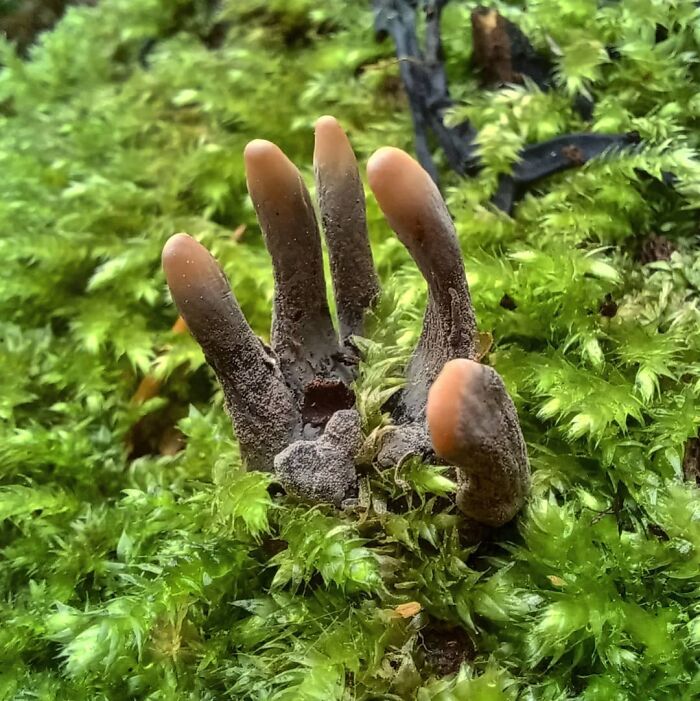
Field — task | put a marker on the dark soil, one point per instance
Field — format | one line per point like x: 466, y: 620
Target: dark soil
x: 608, y: 307
x: 654, y: 248
x: 446, y: 648
x: 28, y: 18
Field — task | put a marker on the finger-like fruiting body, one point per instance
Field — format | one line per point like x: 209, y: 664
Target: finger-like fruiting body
x: 302, y: 336
x: 342, y: 202
x: 417, y: 213
x: 323, y: 470
x: 259, y: 402
x: 291, y: 405
x: 474, y: 425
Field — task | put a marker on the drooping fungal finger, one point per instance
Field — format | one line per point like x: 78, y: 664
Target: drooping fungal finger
x: 302, y: 330
x: 342, y: 203
x: 417, y: 213
x: 474, y: 425
x: 260, y: 404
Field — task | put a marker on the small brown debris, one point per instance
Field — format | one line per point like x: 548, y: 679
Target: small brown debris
x: 149, y: 385
x: 446, y: 648
x: 691, y: 461
x: 502, y: 53
x: 408, y: 610
x: 507, y: 302
x: 608, y: 307
x: 573, y: 154
x: 491, y: 53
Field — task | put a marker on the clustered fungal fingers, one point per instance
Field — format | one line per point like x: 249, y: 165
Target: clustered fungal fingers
x: 293, y: 406
x: 257, y: 397
x: 451, y: 403
x: 417, y: 213
x: 474, y: 425
x: 302, y: 330
x: 341, y: 200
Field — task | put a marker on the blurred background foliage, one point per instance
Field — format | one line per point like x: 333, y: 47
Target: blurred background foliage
x: 139, y: 561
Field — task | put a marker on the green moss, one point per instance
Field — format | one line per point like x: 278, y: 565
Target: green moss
x: 129, y: 572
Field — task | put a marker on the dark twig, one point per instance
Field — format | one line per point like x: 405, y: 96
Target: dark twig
x: 425, y: 82
x: 504, y: 55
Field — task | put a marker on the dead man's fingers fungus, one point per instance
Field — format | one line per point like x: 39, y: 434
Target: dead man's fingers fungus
x: 282, y: 399
x: 417, y: 213
x: 474, y: 426
x: 341, y: 200
x: 302, y: 331
x: 260, y: 404
x: 292, y: 405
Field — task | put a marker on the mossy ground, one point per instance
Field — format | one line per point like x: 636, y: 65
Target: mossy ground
x: 131, y: 572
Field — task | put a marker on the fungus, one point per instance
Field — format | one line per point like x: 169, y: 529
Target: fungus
x: 474, y: 426
x: 417, y: 213
x: 259, y: 402
x: 342, y: 203
x: 451, y: 403
x: 289, y: 402
x: 292, y: 405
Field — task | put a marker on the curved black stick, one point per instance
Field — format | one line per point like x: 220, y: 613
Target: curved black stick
x: 554, y: 156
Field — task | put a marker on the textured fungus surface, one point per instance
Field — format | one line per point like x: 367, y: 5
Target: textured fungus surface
x: 302, y: 331
x: 474, y: 425
x: 342, y: 203
x: 257, y: 398
x: 417, y: 213
x: 130, y: 572
x: 324, y: 469
x: 293, y: 405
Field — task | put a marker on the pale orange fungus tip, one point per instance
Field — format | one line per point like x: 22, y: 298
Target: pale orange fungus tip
x: 445, y: 407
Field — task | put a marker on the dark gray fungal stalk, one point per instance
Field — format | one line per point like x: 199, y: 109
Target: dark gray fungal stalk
x: 417, y: 213
x: 292, y: 405
x: 302, y: 337
x: 503, y: 55
x: 473, y: 425
x: 258, y: 400
x: 451, y: 404
x: 341, y: 200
